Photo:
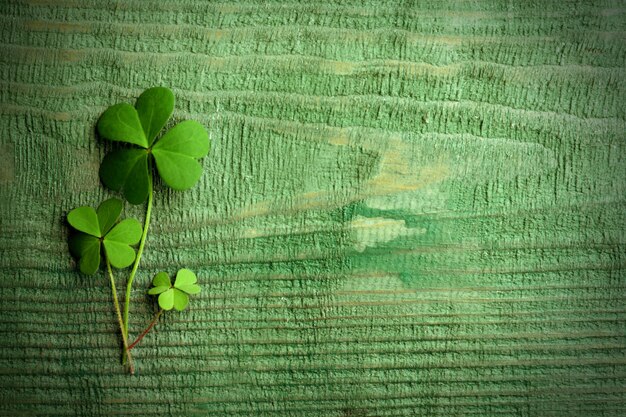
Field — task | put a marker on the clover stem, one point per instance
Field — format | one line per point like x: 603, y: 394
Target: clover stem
x: 142, y: 242
x: 119, y: 319
x: 145, y: 332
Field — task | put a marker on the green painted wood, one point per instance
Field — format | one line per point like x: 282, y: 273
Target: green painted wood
x: 410, y: 208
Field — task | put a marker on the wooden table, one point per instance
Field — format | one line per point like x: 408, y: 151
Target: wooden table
x: 409, y: 208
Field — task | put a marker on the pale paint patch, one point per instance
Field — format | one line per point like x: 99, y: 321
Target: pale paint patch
x: 338, y: 67
x: 366, y: 232
x: 62, y: 116
x: 398, y: 172
x: 370, y: 232
x: 252, y: 233
x: 401, y: 175
x: 72, y: 55
x: 466, y: 158
x: 341, y: 138
x: 261, y: 208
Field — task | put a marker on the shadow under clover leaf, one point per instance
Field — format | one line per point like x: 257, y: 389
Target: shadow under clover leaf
x: 97, y: 229
x: 175, y: 153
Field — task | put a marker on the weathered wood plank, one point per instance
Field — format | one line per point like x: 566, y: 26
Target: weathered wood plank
x: 410, y: 208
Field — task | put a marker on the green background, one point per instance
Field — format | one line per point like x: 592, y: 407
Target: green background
x: 410, y: 208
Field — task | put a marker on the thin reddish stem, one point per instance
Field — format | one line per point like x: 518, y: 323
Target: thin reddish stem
x: 145, y: 332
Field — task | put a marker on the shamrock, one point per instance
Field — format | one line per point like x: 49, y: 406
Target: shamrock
x: 175, y: 153
x: 97, y: 228
x: 176, y: 295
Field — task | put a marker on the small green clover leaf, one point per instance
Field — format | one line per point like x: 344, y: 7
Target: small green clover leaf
x: 97, y: 228
x: 176, y: 296
x: 175, y: 153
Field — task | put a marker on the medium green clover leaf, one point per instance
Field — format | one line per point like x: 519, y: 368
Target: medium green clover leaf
x: 176, y: 296
x: 175, y: 154
x: 97, y: 228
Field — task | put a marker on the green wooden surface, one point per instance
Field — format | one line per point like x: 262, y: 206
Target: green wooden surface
x: 410, y: 208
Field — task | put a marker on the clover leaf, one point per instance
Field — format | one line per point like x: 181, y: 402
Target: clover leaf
x: 177, y: 295
x: 175, y: 153
x: 98, y: 228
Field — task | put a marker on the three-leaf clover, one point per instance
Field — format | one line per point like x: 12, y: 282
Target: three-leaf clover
x: 175, y: 153
x: 96, y: 229
x: 174, y: 296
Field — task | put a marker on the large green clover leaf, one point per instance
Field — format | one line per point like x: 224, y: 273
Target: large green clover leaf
x: 97, y: 228
x: 176, y: 154
x: 177, y: 295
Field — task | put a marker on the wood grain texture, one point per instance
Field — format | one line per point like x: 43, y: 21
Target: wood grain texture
x: 409, y: 209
